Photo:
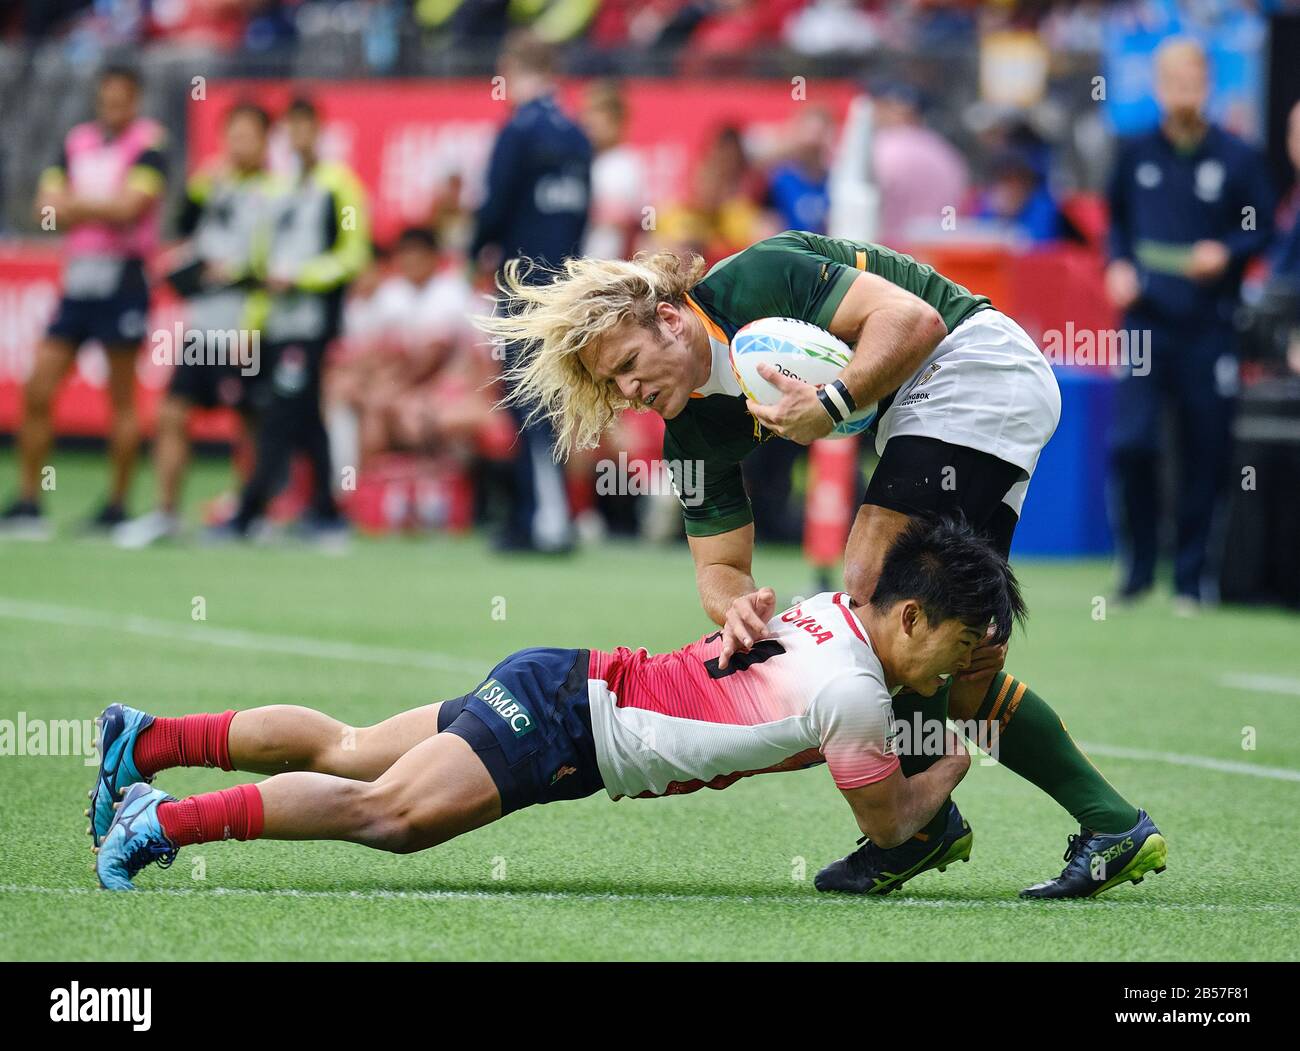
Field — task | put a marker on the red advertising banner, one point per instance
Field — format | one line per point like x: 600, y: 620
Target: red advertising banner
x: 406, y: 140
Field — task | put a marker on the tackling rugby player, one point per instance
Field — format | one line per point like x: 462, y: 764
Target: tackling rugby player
x: 555, y: 724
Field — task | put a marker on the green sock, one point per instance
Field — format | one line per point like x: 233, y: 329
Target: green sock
x: 918, y: 714
x: 1034, y: 743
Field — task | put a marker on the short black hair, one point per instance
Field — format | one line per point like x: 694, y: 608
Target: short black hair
x: 120, y: 71
x: 417, y: 237
x: 952, y: 573
x: 249, y: 109
x: 302, y: 106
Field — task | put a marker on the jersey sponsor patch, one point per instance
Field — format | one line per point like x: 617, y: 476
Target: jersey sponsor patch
x: 503, y: 702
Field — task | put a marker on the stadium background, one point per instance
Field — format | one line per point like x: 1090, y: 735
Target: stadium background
x: 404, y: 90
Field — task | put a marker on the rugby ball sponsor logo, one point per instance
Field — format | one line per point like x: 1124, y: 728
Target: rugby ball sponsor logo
x: 800, y: 351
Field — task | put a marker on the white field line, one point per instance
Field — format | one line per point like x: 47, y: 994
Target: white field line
x: 1282, y: 684
x: 234, y: 638
x: 68, y: 616
x: 668, y: 898
x: 1203, y: 762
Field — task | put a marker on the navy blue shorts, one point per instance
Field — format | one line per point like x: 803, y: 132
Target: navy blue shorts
x: 117, y: 321
x: 530, y: 724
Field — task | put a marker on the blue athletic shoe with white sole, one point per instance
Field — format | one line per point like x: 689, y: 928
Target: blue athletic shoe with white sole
x: 1096, y: 862
x: 134, y: 839
x: 875, y: 870
x: 119, y: 726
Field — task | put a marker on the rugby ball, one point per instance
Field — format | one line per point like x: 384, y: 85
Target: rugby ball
x: 800, y: 350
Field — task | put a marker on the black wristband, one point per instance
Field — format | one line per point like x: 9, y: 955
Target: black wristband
x: 848, y: 398
x: 832, y: 410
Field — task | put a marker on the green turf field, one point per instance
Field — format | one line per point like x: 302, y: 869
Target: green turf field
x: 711, y: 875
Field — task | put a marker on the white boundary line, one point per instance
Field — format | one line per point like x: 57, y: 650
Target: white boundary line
x: 667, y: 898
x: 298, y: 646
x: 1282, y: 684
x: 233, y: 638
x: 1203, y: 762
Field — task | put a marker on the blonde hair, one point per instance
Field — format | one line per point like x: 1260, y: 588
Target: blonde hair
x: 554, y: 321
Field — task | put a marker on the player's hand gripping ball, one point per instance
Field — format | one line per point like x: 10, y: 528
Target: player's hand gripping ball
x: 780, y: 362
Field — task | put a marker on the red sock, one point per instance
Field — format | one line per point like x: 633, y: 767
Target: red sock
x: 191, y: 740
x: 232, y: 813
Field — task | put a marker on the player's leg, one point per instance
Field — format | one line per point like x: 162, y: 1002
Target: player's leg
x: 135, y: 746
x: 314, y: 440
x: 278, y: 423
x: 54, y: 358
x: 523, y: 737
x: 171, y: 454
x: 280, y: 737
x: 283, y: 737
x: 437, y: 791
x: 925, y: 476
x: 124, y: 433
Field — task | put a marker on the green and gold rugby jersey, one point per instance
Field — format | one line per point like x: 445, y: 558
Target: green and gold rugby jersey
x: 797, y: 275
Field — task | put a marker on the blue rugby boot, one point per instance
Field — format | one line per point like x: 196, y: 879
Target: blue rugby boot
x: 119, y: 726
x: 134, y: 839
x: 874, y: 870
x: 1096, y: 862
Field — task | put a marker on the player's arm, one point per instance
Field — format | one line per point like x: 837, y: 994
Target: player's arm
x: 891, y: 811
x: 891, y: 331
x: 720, y: 531
x: 853, y: 716
x: 145, y: 183
x: 725, y: 581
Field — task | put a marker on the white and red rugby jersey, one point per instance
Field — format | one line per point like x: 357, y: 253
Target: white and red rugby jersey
x: 811, y: 691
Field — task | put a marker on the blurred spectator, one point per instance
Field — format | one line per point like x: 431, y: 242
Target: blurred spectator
x: 618, y: 190
x: 224, y: 219
x: 215, y: 24
x: 1285, y: 259
x: 1179, y: 246
x: 449, y: 403
x: 919, y: 173
x: 104, y: 193
x: 639, y: 24
x: 451, y: 222
x: 366, y: 364
x: 1018, y: 201
x: 722, y: 212
x: 797, y: 188
x: 827, y: 27
x: 730, y: 32
x: 402, y: 335
x: 320, y: 242
x: 536, y: 205
x: 479, y: 21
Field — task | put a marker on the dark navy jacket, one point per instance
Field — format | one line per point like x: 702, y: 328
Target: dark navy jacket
x: 538, y: 186
x: 1162, y: 200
